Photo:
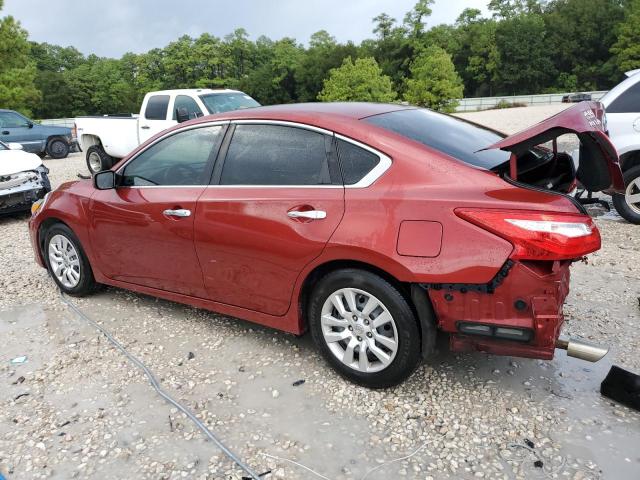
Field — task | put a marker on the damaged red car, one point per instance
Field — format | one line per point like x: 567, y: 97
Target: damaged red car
x: 373, y: 226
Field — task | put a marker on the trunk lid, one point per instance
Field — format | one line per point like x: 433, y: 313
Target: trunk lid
x: 599, y: 168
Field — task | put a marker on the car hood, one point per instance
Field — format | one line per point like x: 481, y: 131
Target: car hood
x: 599, y: 166
x: 14, y: 161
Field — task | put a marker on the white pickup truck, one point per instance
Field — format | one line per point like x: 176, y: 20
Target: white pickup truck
x: 107, y: 139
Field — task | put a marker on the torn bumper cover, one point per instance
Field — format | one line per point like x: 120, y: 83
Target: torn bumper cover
x: 19, y: 190
x: 519, y: 313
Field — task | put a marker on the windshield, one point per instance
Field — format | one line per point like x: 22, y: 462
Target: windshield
x: 445, y: 133
x: 225, y: 102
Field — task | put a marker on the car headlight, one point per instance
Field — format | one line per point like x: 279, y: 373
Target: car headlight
x: 38, y: 204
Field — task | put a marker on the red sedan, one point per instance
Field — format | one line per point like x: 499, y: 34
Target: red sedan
x: 374, y: 226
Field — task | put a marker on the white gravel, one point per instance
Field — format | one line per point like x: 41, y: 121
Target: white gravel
x: 90, y: 414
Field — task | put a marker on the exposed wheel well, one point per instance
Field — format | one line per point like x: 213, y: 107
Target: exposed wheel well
x: 89, y: 140
x: 630, y: 159
x: 54, y: 137
x: 417, y: 300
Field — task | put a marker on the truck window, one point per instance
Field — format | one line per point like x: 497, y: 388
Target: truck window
x: 157, y: 107
x: 182, y: 101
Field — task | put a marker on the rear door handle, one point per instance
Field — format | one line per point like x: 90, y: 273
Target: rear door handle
x: 5, y: 132
x: 181, y: 212
x: 145, y: 127
x: 310, y: 214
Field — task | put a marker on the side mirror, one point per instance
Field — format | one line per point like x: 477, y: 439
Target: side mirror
x: 105, y: 180
x: 182, y: 114
x: 30, y: 124
x: 15, y: 146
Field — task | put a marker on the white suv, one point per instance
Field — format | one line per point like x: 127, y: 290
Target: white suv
x: 622, y: 104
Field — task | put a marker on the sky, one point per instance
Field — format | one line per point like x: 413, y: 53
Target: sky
x: 111, y: 28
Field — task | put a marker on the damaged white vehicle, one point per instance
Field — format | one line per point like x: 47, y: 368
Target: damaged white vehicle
x: 23, y: 179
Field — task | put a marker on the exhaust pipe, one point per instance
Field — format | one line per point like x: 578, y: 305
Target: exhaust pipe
x: 582, y: 350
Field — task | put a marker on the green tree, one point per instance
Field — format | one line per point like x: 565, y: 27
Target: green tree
x: 360, y: 81
x: 524, y: 63
x: 414, y: 19
x: 434, y: 82
x: 627, y: 46
x: 17, y: 70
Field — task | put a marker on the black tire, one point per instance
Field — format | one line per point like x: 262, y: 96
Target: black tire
x: 626, y: 211
x: 407, y: 354
x: 96, y: 154
x: 57, y: 148
x: 86, y: 283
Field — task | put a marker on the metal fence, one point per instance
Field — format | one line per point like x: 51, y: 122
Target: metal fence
x: 484, y: 103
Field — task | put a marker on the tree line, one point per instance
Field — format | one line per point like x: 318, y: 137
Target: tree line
x: 522, y: 47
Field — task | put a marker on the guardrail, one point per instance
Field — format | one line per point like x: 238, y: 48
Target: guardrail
x: 58, y: 122
x: 485, y: 103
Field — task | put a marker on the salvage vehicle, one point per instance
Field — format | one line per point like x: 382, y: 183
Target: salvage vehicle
x: 622, y: 104
x: 23, y: 179
x: 106, y: 139
x: 42, y: 140
x: 374, y: 226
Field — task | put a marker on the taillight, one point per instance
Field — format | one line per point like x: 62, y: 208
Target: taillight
x: 538, y: 235
x: 74, y: 131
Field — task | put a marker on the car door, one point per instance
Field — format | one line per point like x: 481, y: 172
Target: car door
x: 155, y: 117
x: 18, y: 129
x: 276, y: 200
x: 142, y: 231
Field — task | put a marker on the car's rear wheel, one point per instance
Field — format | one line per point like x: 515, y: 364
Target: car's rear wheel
x: 57, y: 148
x: 364, y: 328
x: 66, y: 261
x: 628, y: 205
x: 98, y: 160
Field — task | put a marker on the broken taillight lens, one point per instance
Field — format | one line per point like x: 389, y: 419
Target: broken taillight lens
x: 538, y: 235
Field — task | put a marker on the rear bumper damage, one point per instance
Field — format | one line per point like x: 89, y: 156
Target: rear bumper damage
x: 518, y: 313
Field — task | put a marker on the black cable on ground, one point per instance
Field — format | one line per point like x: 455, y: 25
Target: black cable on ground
x: 154, y: 383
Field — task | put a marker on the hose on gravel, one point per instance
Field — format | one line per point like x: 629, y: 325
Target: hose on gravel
x: 154, y: 383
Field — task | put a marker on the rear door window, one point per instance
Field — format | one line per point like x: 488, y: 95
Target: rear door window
x: 355, y: 162
x: 628, y: 102
x: 157, y: 107
x: 275, y: 155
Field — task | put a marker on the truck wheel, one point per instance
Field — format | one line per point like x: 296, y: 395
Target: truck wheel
x: 628, y: 205
x: 57, y: 148
x: 98, y: 160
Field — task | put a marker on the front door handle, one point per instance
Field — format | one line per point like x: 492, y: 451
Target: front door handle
x: 310, y: 214
x: 6, y: 132
x: 145, y: 127
x: 181, y: 212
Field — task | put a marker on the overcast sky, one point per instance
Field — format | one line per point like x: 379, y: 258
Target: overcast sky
x: 113, y: 27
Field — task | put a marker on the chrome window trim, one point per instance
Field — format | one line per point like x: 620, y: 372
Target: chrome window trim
x: 383, y: 165
x: 218, y: 123
x: 376, y: 172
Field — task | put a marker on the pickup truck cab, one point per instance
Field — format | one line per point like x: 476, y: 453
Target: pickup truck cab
x: 106, y: 139
x: 42, y: 140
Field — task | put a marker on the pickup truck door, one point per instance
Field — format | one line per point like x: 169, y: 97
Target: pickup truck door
x: 155, y: 116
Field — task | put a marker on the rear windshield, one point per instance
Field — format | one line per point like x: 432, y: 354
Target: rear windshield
x: 225, y: 102
x: 450, y: 135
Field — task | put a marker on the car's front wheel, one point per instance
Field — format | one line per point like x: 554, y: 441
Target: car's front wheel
x: 628, y: 205
x: 66, y: 261
x: 364, y: 328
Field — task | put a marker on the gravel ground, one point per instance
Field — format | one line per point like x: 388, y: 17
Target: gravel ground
x: 78, y: 409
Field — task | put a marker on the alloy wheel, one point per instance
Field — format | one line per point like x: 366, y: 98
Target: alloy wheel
x: 632, y: 195
x: 64, y: 261
x: 95, y: 162
x: 359, y: 330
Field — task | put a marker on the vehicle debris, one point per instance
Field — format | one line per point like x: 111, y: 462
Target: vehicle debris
x: 297, y: 383
x: 19, y: 360
x: 622, y: 386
